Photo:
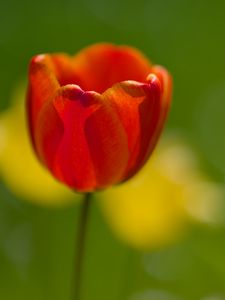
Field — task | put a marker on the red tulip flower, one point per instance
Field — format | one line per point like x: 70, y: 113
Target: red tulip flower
x: 95, y: 117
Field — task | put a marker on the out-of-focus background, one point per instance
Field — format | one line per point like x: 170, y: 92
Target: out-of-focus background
x: 159, y: 237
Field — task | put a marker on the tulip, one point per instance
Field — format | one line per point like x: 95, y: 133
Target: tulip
x: 95, y: 118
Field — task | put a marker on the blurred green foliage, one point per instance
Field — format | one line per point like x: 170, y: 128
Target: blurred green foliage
x: 37, y: 244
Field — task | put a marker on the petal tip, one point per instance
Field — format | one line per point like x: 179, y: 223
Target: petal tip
x: 154, y: 83
x: 70, y: 91
x: 37, y: 59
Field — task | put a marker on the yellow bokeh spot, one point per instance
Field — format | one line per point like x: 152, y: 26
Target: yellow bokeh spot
x: 154, y: 208
x: 19, y: 167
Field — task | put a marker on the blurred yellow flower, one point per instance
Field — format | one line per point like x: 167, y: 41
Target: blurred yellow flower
x: 19, y: 168
x: 154, y: 208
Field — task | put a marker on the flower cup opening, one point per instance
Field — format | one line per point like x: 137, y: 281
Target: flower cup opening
x: 99, y: 67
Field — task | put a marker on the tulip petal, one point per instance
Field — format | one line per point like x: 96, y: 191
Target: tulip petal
x: 165, y: 101
x: 42, y: 86
x: 49, y: 134
x: 160, y: 77
x: 102, y: 65
x: 166, y: 84
x: 139, y: 109
x: 64, y: 69
x: 92, y: 152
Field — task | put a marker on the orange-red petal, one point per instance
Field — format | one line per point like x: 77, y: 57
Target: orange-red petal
x: 65, y: 69
x: 42, y: 86
x: 92, y: 152
x: 138, y: 106
x: 166, y: 84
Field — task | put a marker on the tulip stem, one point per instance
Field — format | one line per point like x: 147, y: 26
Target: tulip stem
x: 80, y: 246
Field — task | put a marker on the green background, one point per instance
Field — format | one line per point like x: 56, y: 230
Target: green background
x: 37, y: 244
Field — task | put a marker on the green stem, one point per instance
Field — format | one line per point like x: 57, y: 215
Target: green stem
x: 80, y: 246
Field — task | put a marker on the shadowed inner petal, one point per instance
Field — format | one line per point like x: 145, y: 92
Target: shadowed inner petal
x: 98, y: 67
